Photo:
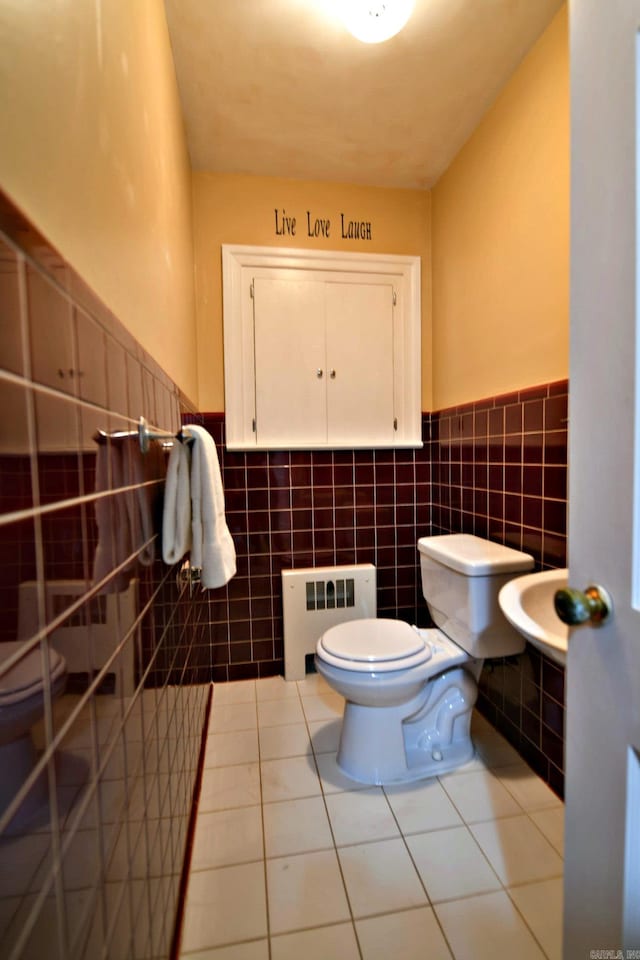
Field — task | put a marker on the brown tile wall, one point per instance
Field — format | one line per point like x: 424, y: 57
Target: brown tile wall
x: 500, y: 471
x: 496, y: 468
x: 301, y: 509
x: 98, y: 865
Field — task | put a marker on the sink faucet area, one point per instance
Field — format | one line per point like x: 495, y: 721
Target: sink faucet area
x: 527, y: 603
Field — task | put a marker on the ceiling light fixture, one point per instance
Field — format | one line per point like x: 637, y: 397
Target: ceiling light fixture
x: 373, y: 21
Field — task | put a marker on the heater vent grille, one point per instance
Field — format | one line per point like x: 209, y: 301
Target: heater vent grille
x: 316, y: 598
x: 330, y: 594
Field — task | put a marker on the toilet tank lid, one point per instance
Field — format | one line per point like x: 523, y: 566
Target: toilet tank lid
x: 473, y: 555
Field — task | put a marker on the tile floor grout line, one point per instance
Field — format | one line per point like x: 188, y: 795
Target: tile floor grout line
x: 526, y: 923
x: 527, y: 883
x: 333, y: 837
x: 512, y: 816
x: 264, y: 838
x: 465, y: 820
x: 430, y: 903
x: 310, y: 752
x: 504, y: 887
x: 544, y: 836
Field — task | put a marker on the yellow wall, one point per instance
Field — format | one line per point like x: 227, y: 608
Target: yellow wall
x: 240, y: 209
x: 94, y: 153
x: 500, y: 238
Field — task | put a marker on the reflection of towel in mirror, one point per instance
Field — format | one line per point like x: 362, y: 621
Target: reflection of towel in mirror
x: 212, y: 547
x: 124, y: 519
x: 176, y: 518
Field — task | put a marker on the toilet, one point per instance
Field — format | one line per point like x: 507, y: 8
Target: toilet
x: 409, y: 692
x: 21, y: 706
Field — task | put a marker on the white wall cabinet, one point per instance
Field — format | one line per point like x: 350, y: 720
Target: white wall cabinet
x: 321, y: 350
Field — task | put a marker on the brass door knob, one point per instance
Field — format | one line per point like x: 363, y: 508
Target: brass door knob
x: 575, y: 607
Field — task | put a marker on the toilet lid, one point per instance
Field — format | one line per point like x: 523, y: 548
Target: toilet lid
x: 24, y: 678
x: 374, y: 644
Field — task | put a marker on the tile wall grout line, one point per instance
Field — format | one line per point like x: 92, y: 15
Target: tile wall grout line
x: 61, y: 733
x: 51, y: 626
x: 46, y: 767
x: 27, y: 383
x: 45, y: 509
x: 174, y: 953
x: 76, y: 404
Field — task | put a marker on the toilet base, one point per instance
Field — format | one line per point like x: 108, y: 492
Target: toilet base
x: 17, y: 760
x: 423, y: 738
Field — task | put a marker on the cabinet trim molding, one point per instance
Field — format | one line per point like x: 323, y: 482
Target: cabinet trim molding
x: 242, y: 264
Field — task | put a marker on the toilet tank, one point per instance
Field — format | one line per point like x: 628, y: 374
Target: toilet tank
x: 461, y: 578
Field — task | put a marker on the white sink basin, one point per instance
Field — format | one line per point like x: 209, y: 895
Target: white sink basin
x: 527, y: 603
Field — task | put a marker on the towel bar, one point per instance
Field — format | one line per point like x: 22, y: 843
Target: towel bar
x: 147, y: 433
x: 144, y: 433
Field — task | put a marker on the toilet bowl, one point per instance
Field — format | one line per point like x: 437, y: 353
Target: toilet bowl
x: 392, y: 732
x: 409, y: 692
x: 21, y: 706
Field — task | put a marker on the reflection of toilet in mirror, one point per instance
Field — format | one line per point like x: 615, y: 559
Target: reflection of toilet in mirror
x: 69, y: 650
x: 22, y: 702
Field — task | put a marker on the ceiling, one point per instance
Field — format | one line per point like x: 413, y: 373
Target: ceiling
x: 278, y: 87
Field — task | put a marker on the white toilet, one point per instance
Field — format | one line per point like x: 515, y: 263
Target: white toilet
x: 409, y: 693
x: 21, y: 706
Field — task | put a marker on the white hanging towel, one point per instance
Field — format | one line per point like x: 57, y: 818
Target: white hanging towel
x: 176, y: 514
x: 212, y: 548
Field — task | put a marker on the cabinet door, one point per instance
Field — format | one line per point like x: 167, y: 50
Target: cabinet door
x: 283, y: 310
x: 290, y: 361
x: 360, y: 363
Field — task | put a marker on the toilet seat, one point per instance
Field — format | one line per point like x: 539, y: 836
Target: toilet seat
x: 24, y: 678
x: 373, y: 645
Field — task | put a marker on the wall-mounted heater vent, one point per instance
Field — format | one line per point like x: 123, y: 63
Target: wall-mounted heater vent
x: 316, y: 598
x: 329, y: 594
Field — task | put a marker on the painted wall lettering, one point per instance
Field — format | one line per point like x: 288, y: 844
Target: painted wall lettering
x: 284, y: 224
x: 318, y: 227
x: 355, y: 229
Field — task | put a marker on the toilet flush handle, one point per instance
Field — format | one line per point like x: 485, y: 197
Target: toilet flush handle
x: 574, y: 607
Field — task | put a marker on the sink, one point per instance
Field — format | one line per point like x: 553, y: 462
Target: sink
x: 527, y: 603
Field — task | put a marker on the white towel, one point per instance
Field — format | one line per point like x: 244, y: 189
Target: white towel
x: 212, y: 547
x: 176, y: 515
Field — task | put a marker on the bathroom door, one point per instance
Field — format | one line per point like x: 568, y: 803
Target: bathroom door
x: 602, y: 838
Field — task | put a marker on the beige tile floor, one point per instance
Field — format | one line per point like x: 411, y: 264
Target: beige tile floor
x: 293, y: 860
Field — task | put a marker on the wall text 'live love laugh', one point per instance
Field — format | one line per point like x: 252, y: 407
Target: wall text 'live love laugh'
x: 287, y: 226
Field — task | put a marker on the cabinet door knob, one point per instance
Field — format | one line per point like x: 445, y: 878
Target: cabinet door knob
x: 332, y: 374
x: 319, y: 373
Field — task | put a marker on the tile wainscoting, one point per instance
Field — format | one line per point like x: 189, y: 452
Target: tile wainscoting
x: 500, y: 471
x: 96, y: 870
x: 305, y: 509
x: 496, y: 468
